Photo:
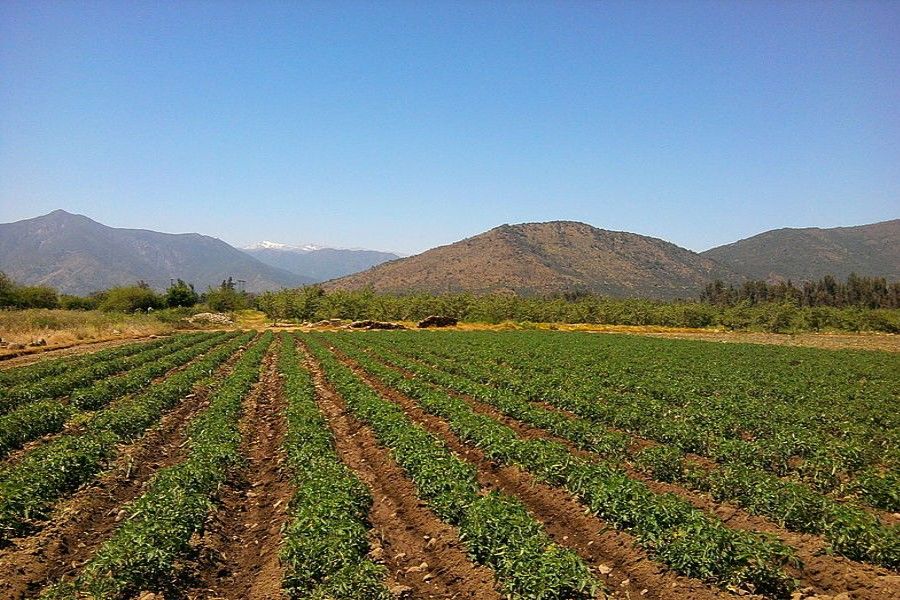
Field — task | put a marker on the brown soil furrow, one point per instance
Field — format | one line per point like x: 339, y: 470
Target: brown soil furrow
x: 824, y: 574
x: 636, y: 441
x: 627, y: 571
x: 81, y: 523
x: 239, y: 550
x: 423, y: 554
x: 29, y: 356
x: 77, y: 424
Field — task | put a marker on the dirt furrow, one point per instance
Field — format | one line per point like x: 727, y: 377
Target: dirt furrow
x: 821, y: 574
x: 28, y: 356
x: 613, y: 555
x: 84, y: 521
x: 77, y: 424
x: 239, y: 550
x: 424, y: 555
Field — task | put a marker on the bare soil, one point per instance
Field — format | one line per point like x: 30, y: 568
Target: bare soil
x: 424, y: 555
x: 627, y: 571
x: 80, y: 524
x: 239, y: 549
x: 19, y: 358
x: 822, y: 574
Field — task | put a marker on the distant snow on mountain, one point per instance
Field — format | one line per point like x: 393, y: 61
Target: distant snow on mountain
x: 267, y: 245
x: 319, y: 263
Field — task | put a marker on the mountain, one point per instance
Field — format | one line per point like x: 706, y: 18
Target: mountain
x: 316, y: 262
x: 811, y: 253
x: 77, y: 255
x: 542, y: 258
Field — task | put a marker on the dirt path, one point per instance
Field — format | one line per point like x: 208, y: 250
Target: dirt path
x: 239, y: 551
x: 423, y: 554
x: 27, y: 356
x: 822, y: 574
x: 84, y: 521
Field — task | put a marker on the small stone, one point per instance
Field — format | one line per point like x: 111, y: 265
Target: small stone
x: 400, y: 591
x: 604, y: 570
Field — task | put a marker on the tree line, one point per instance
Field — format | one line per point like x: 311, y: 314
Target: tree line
x: 312, y: 303
x: 862, y: 292
x: 859, y: 304
x: 128, y: 298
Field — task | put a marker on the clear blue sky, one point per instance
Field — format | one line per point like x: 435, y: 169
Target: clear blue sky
x: 405, y: 125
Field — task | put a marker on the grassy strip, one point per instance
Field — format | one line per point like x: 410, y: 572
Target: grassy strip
x: 683, y: 537
x: 325, y: 543
x: 496, y: 529
x: 49, y: 416
x: 50, y: 367
x: 29, y: 488
x: 143, y: 550
x: 70, y: 381
x: 849, y: 530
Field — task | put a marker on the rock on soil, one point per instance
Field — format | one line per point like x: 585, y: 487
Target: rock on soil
x: 211, y: 319
x: 437, y: 321
x: 368, y: 324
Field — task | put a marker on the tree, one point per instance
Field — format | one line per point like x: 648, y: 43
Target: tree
x: 181, y: 294
x: 130, y: 299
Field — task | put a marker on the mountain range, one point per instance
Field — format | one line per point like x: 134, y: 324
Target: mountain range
x: 317, y: 262
x: 78, y: 255
x: 812, y: 253
x: 566, y: 256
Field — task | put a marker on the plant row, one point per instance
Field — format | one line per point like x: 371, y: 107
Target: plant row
x: 688, y: 540
x: 850, y: 531
x: 70, y: 381
x: 800, y: 413
x: 50, y: 367
x: 49, y: 416
x: 30, y: 487
x: 325, y: 545
x: 497, y: 529
x: 159, y: 524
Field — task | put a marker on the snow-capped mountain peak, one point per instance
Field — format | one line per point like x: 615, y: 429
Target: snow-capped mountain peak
x: 267, y: 245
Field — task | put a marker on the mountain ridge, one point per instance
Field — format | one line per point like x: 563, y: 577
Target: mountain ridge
x: 544, y: 258
x: 809, y: 253
x: 78, y: 255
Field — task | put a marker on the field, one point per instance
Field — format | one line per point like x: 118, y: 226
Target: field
x: 450, y: 464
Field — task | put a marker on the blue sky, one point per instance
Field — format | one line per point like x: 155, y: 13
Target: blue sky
x: 403, y: 125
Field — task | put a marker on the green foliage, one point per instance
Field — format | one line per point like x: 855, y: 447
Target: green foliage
x: 13, y: 295
x: 497, y: 531
x: 313, y: 304
x: 688, y: 540
x: 508, y: 382
x: 143, y: 550
x: 181, y: 294
x: 325, y: 543
x: 30, y: 487
x: 130, y: 299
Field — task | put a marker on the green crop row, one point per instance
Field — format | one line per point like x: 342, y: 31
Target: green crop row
x: 50, y: 367
x: 160, y: 523
x: 30, y: 487
x: 325, y: 543
x: 49, y: 416
x: 851, y: 531
x: 68, y: 382
x: 496, y: 529
x: 827, y: 419
x: 688, y: 540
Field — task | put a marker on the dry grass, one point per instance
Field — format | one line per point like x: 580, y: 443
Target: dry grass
x: 61, y: 328
x: 831, y: 341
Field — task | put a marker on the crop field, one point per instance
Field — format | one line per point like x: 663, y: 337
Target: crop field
x: 450, y: 464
